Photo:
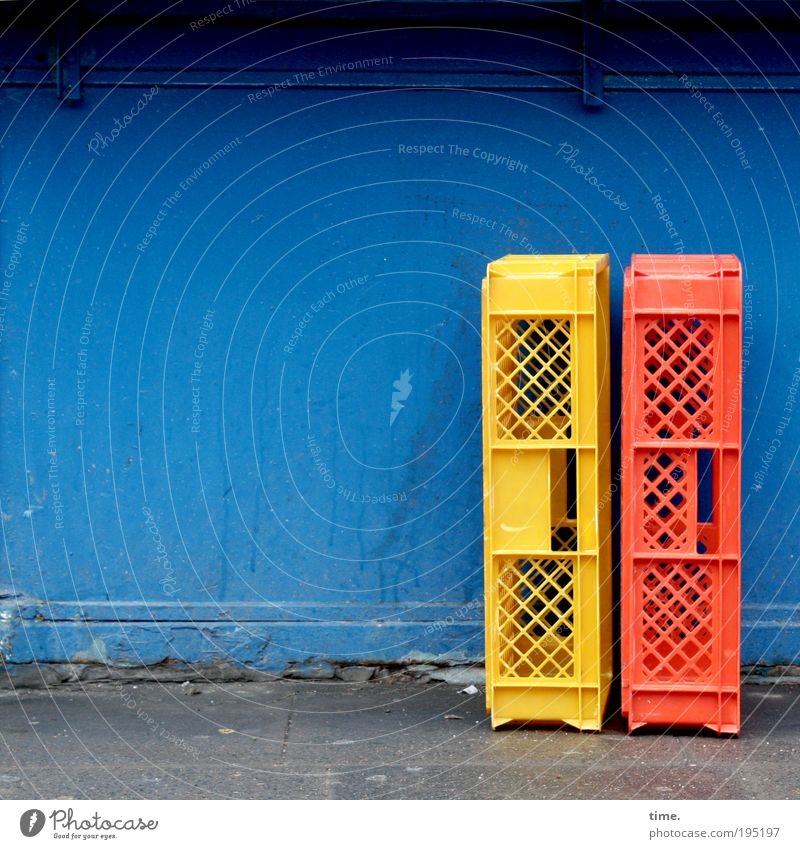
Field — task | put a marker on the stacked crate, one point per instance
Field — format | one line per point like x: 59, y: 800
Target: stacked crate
x: 547, y: 507
x: 681, y: 447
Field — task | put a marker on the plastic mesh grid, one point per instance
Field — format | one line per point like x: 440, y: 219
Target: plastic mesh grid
x: 565, y: 536
x: 534, y: 378
x: 666, y: 501
x: 678, y: 377
x: 536, y: 621
x: 677, y: 623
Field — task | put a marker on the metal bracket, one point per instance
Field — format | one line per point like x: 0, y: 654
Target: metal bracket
x: 593, y: 95
x: 67, y: 65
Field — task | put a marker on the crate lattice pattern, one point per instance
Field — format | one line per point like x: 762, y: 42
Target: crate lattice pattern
x: 678, y: 374
x: 676, y: 622
x: 666, y: 500
x: 536, y: 618
x: 534, y: 378
x: 565, y: 536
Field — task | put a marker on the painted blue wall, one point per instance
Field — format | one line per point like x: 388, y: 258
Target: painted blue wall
x: 205, y: 316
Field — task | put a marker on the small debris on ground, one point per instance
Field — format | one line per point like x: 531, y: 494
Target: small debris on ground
x: 452, y: 716
x: 470, y: 690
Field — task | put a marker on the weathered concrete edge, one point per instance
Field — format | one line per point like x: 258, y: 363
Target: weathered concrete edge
x: 419, y: 668
x: 46, y: 675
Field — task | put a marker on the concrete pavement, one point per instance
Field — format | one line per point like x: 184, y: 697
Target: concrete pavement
x: 390, y: 739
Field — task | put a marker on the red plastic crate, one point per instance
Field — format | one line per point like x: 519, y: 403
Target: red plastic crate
x: 681, y: 450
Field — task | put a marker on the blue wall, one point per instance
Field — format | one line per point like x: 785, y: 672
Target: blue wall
x: 205, y: 315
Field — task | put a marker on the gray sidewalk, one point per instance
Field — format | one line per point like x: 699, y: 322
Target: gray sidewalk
x: 312, y: 739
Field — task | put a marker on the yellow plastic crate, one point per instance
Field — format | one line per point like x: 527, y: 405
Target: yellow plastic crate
x: 547, y: 498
